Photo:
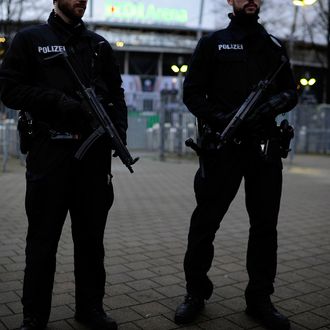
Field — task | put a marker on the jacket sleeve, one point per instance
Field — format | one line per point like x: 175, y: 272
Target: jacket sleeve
x: 18, y: 89
x: 287, y: 87
x: 197, y: 83
x: 110, y: 74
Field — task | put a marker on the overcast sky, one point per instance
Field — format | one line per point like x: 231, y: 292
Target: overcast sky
x: 277, y: 15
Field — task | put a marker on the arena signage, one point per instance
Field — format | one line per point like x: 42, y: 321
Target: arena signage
x: 144, y: 12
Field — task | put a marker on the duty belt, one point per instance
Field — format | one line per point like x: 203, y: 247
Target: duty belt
x: 55, y: 135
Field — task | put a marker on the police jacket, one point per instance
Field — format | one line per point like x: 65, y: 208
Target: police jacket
x: 228, y: 64
x: 31, y: 83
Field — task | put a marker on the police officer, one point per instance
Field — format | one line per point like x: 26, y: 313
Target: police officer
x: 224, y: 68
x: 57, y: 183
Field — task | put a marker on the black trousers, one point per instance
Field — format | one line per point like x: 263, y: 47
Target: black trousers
x: 87, y: 194
x: 215, y: 188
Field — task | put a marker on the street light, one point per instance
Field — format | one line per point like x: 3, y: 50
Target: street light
x: 183, y: 68
x: 307, y: 82
x: 180, y: 69
x: 297, y: 4
x: 302, y: 3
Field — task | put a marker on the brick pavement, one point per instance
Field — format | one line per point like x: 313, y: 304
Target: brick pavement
x: 146, y: 238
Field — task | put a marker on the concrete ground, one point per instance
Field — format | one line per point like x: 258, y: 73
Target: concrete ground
x: 145, y: 243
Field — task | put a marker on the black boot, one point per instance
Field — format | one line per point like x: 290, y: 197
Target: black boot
x: 96, y: 319
x: 189, y: 309
x: 32, y: 323
x: 268, y: 316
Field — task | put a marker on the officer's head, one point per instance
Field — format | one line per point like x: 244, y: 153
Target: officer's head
x: 245, y: 7
x: 70, y: 10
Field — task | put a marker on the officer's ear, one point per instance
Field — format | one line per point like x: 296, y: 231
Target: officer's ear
x: 230, y: 2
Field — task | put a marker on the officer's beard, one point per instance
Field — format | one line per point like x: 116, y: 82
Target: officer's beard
x: 241, y: 15
x: 68, y: 13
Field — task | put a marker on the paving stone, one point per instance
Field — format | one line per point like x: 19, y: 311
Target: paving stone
x: 119, y: 301
x: 59, y: 325
x: 7, y: 297
x: 4, y: 310
x: 294, y: 306
x: 167, y: 280
x: 310, y: 320
x: 315, y: 299
x: 60, y: 312
x: 228, y: 292
x: 124, y: 315
x: 146, y: 295
x: 172, y: 290
x: 143, y: 284
x: 323, y: 311
x: 145, y: 243
x: 150, y: 309
x: 157, y: 322
x: 118, y: 289
x: 217, y: 324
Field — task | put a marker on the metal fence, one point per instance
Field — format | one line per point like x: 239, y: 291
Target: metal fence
x: 311, y: 122
x: 312, y: 128
x: 8, y: 141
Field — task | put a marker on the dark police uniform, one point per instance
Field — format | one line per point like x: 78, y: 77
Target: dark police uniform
x: 224, y: 68
x: 57, y: 183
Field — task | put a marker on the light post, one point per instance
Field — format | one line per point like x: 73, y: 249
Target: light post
x: 168, y: 98
x: 297, y: 4
x: 306, y: 83
x: 201, y: 13
x: 180, y: 69
x: 292, y: 114
x: 302, y: 3
x: 328, y: 56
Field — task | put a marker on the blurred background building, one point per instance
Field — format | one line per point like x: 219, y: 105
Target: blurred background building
x: 154, y: 39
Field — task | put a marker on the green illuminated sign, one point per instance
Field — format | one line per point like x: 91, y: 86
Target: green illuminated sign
x: 147, y: 13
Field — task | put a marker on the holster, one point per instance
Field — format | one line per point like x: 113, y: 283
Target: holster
x: 25, y: 131
x: 286, y: 134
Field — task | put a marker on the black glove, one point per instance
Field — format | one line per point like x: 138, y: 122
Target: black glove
x: 275, y: 105
x: 267, y: 111
x: 71, y: 114
x: 220, y: 120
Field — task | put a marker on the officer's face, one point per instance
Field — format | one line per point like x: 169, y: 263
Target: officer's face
x: 249, y: 7
x: 72, y: 9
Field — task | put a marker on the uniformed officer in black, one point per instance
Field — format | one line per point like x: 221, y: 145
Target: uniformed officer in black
x: 224, y: 68
x: 57, y: 183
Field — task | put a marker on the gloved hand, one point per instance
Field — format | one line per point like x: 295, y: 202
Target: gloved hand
x: 275, y: 105
x: 71, y: 114
x: 267, y: 111
x: 220, y: 120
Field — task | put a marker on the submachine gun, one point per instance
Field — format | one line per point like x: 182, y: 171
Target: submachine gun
x: 95, y: 109
x: 248, y: 106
